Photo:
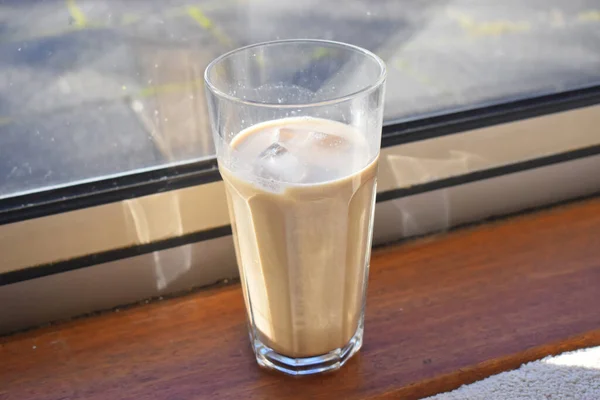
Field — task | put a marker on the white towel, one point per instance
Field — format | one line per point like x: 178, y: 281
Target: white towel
x: 569, y: 376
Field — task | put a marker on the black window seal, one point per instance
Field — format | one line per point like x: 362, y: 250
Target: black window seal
x: 40, y: 271
x: 162, y: 179
x: 404, y: 132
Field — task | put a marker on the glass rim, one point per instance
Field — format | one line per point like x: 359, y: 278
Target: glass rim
x: 377, y: 83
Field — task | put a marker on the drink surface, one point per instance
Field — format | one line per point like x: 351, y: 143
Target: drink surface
x: 301, y: 195
x: 299, y: 151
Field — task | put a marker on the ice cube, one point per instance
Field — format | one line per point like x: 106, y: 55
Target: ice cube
x: 325, y: 141
x: 284, y: 135
x: 276, y: 163
x: 292, y: 139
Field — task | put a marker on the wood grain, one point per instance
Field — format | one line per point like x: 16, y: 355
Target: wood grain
x: 442, y: 311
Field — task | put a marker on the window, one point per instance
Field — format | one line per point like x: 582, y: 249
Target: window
x: 103, y: 121
x: 93, y: 89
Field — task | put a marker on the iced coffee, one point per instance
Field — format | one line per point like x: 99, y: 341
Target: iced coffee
x: 297, y: 131
x: 301, y: 194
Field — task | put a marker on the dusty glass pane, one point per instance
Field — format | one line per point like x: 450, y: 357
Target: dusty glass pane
x: 92, y: 88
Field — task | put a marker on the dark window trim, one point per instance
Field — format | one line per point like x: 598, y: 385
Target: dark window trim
x: 178, y: 177
x: 39, y: 271
x: 418, y: 129
x: 74, y: 197
x: 490, y: 173
x: 43, y: 270
x: 162, y: 179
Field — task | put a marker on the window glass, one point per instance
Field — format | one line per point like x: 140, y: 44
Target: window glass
x: 96, y: 88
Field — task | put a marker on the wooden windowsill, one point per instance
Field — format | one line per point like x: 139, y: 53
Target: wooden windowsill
x: 441, y: 311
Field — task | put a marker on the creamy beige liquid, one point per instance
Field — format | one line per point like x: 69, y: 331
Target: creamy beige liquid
x: 301, y: 196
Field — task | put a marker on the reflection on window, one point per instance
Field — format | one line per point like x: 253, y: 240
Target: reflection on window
x: 90, y: 88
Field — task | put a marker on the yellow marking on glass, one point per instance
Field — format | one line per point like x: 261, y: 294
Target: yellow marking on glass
x: 420, y: 77
x: 5, y: 120
x: 80, y: 21
x: 128, y: 19
x: 206, y: 23
x: 589, y: 16
x: 490, y: 28
x: 198, y: 16
x: 260, y: 60
x: 75, y: 12
x: 320, y: 53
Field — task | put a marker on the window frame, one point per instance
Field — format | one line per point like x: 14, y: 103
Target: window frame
x: 148, y: 185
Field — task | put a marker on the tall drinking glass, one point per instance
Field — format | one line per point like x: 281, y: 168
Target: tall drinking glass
x: 297, y: 129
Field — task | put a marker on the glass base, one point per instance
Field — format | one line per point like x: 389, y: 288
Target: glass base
x: 270, y: 359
